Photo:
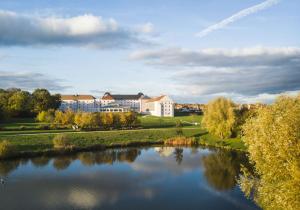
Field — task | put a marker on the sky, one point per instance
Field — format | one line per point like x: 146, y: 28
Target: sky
x: 191, y: 50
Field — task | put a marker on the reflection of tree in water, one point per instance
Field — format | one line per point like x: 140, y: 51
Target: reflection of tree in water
x: 109, y: 156
x: 6, y: 167
x: 128, y: 155
x: 62, y: 163
x: 40, y: 161
x: 222, y: 168
x: 178, y: 152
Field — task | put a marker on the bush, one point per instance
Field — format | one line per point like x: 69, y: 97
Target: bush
x: 6, y: 149
x: 46, y: 116
x: 61, y: 141
x: 181, y: 141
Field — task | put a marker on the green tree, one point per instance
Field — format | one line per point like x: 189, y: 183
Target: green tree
x: 19, y: 104
x: 42, y: 100
x: 219, y: 117
x: 273, y: 140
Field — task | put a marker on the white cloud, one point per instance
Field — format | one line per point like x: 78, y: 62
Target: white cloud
x: 246, y: 72
x: 237, y: 16
x: 146, y: 28
x: 85, y: 30
x: 30, y: 81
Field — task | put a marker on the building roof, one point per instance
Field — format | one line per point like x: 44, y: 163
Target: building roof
x: 155, y: 99
x: 77, y: 97
x: 108, y: 96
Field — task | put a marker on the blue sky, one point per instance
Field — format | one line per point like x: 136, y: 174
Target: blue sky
x: 89, y: 46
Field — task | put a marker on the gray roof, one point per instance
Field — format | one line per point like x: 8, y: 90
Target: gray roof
x: 107, y: 95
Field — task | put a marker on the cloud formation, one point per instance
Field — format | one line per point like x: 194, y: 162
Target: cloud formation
x: 248, y: 71
x: 237, y: 16
x: 85, y: 30
x: 30, y: 81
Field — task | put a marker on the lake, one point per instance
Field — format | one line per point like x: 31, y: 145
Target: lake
x: 127, y: 178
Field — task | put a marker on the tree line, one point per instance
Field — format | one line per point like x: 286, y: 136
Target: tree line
x: 17, y: 103
x: 88, y: 120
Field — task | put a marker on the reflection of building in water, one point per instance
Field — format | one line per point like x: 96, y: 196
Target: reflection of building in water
x: 164, y: 151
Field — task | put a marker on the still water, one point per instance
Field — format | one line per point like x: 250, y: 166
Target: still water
x: 131, y: 178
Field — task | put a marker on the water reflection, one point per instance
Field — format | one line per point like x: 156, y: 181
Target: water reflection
x: 128, y: 178
x: 223, y: 167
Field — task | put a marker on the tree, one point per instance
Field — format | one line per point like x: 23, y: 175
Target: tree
x: 46, y: 116
x: 42, y: 100
x: 68, y: 117
x: 107, y: 120
x: 19, y: 104
x: 123, y: 120
x: 219, y: 117
x: 273, y: 140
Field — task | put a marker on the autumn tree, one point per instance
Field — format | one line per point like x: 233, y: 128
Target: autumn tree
x: 46, y: 116
x: 219, y: 117
x: 273, y: 140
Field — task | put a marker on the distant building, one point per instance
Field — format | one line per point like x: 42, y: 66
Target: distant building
x: 85, y: 103
x: 132, y: 101
x: 162, y: 106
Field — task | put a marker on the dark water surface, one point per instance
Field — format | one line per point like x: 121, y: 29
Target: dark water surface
x: 133, y: 178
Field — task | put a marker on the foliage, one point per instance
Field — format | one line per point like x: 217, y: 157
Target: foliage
x: 61, y: 141
x: 219, y: 117
x: 273, y: 140
x: 42, y: 100
x: 17, y: 103
x: 6, y: 149
x: 46, y: 116
x: 181, y: 141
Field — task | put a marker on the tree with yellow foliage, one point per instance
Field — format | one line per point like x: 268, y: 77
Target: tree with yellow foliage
x: 273, y: 140
x: 219, y: 117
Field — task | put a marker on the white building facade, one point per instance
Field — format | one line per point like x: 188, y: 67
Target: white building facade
x: 132, y: 101
x: 162, y: 106
x: 84, y: 103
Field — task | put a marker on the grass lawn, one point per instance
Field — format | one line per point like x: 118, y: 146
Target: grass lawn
x: 164, y: 122
x: 30, y: 126
x: 231, y: 143
x: 155, y: 129
x: 42, y: 142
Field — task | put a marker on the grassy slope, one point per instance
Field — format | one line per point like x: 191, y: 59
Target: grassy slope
x: 83, y: 139
x: 156, y: 129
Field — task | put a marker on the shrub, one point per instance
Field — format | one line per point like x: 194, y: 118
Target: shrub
x: 6, y: 149
x: 181, y: 141
x: 61, y: 141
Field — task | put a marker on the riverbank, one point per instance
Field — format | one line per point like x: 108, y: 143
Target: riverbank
x: 29, y: 145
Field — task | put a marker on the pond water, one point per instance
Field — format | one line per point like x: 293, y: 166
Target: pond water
x: 131, y: 178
